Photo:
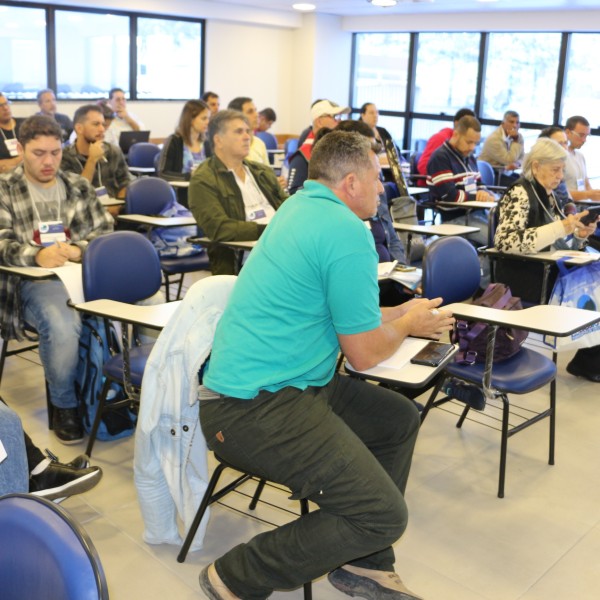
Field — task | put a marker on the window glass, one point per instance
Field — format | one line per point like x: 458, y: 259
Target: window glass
x: 23, y: 52
x: 582, y: 91
x: 92, y: 54
x: 521, y: 75
x: 381, y: 70
x: 423, y: 129
x: 446, y: 74
x: 169, y: 59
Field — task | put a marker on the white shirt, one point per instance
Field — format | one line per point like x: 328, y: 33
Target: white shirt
x: 257, y: 207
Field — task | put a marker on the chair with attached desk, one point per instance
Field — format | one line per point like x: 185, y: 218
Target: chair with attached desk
x: 150, y: 196
x: 141, y: 158
x: 525, y: 372
x: 134, y: 277
x: 46, y: 553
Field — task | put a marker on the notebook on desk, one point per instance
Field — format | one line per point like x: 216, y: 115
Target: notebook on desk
x: 129, y: 138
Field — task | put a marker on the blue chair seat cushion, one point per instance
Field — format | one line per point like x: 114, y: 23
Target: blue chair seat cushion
x: 185, y: 264
x: 138, y: 356
x: 525, y: 372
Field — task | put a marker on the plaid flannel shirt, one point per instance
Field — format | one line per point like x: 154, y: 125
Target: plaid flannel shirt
x: 86, y: 219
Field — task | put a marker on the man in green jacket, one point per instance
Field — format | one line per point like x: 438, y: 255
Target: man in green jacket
x: 232, y: 198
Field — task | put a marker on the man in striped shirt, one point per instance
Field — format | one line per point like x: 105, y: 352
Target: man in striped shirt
x: 453, y: 176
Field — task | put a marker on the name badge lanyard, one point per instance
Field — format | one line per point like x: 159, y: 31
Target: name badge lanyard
x: 460, y: 160
x: 14, y: 137
x: 10, y: 143
x: 97, y: 169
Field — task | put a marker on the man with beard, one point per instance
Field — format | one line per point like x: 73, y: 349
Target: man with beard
x: 47, y: 217
x: 102, y: 164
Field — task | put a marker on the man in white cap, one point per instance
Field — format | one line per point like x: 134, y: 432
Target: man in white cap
x: 323, y: 113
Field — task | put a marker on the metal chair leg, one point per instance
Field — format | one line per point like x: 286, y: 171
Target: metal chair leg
x: 259, y: 488
x: 503, y: 445
x: 99, y: 413
x: 200, y: 513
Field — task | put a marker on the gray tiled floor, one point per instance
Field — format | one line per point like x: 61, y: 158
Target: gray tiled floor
x: 463, y: 543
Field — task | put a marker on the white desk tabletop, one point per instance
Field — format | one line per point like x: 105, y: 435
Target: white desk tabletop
x: 158, y: 221
x: 469, y: 204
x: 204, y: 241
x: 441, y: 229
x: 414, y: 190
x: 551, y: 256
x: 155, y: 316
x: 398, y: 367
x: 28, y: 272
x: 179, y: 184
x: 107, y: 201
x: 558, y: 321
x: 142, y: 169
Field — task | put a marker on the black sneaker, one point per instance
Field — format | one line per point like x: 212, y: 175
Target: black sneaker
x: 67, y: 426
x: 79, y: 462
x: 61, y: 481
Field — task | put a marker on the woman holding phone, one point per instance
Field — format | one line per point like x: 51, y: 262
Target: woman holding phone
x: 531, y: 220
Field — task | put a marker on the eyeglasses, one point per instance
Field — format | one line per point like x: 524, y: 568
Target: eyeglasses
x: 7, y: 103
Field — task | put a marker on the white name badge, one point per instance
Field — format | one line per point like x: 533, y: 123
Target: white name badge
x: 581, y: 185
x: 52, y: 232
x: 11, y: 146
x: 102, y: 194
x: 257, y: 214
x: 470, y: 185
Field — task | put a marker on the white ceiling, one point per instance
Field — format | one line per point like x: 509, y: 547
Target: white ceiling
x: 363, y: 7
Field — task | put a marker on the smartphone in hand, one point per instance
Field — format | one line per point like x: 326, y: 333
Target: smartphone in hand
x: 592, y: 216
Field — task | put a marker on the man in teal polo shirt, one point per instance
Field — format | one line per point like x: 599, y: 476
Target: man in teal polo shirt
x: 279, y: 409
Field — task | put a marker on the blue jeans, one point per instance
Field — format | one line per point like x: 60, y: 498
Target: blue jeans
x: 44, y: 305
x: 14, y: 474
x: 348, y: 448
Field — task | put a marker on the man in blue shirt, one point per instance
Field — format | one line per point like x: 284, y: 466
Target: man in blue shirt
x: 279, y: 409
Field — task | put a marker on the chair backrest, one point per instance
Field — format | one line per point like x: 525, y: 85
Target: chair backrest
x: 142, y: 155
x: 451, y: 270
x: 46, y: 553
x: 493, y: 217
x: 268, y: 138
x: 391, y: 191
x: 488, y: 176
x: 148, y: 196
x: 290, y: 146
x: 122, y: 266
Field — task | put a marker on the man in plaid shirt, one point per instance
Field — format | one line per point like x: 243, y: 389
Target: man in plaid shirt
x: 47, y: 217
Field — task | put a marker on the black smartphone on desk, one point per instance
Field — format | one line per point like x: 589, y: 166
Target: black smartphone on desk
x: 593, y: 214
x: 432, y: 354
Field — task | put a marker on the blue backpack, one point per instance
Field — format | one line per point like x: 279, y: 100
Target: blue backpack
x: 171, y: 242
x: 95, y: 348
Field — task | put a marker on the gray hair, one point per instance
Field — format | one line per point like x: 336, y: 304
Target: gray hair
x: 220, y: 120
x: 338, y: 154
x: 545, y: 150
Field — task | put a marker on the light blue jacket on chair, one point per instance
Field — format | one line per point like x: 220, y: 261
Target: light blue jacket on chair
x: 170, y: 464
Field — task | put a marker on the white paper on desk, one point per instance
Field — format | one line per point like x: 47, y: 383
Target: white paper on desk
x: 408, y: 348
x: 70, y: 275
x: 576, y: 257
